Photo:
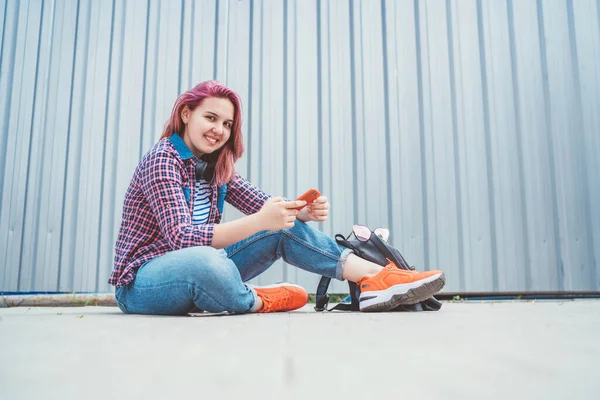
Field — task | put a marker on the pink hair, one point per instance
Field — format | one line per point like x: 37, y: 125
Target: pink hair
x: 224, y: 158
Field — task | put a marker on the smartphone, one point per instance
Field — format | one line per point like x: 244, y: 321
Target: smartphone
x: 309, y: 196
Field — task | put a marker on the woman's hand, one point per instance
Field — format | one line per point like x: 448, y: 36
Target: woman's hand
x: 318, y: 211
x: 277, y: 213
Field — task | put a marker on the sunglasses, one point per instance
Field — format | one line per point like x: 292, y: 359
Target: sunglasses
x: 363, y: 233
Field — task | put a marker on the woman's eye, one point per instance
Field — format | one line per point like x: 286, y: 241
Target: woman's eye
x: 210, y: 117
x: 228, y: 124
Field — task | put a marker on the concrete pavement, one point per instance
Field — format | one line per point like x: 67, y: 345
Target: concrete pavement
x: 468, y: 350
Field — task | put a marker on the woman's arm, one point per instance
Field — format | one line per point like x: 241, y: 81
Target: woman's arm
x: 276, y: 213
x: 228, y: 233
x: 161, y: 184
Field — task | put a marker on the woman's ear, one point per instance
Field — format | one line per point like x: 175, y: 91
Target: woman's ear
x: 185, y: 114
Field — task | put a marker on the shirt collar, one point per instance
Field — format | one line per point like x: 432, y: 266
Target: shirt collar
x: 182, y: 148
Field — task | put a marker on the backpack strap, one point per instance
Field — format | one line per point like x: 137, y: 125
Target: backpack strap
x: 342, y: 241
x: 354, y: 296
x: 322, y: 298
x: 431, y: 304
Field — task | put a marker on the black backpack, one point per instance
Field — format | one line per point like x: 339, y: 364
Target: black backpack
x: 376, y: 250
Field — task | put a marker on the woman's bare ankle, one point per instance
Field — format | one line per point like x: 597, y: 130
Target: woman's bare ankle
x: 356, y: 268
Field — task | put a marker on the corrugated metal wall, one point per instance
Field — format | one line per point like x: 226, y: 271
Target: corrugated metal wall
x: 471, y: 128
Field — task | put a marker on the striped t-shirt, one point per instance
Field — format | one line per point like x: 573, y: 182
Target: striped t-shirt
x: 202, y: 203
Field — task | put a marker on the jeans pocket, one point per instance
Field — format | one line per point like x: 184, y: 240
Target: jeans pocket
x: 120, y: 304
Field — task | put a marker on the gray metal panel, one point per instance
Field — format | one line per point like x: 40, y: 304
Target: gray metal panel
x: 439, y: 153
x: 563, y: 105
x: 531, y: 128
x: 586, y: 29
x: 474, y: 155
x: 17, y: 188
x: 468, y: 127
x: 509, y: 253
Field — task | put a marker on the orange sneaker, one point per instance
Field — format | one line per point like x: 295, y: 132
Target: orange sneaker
x: 394, y: 286
x: 281, y: 297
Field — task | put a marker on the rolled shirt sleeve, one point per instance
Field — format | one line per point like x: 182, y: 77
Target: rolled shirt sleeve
x: 244, y: 196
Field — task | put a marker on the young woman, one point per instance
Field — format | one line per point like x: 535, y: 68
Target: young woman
x: 173, y: 255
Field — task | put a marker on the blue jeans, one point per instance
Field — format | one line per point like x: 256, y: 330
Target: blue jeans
x: 213, y: 280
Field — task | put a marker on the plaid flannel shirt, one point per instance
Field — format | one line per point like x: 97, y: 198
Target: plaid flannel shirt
x: 158, y: 208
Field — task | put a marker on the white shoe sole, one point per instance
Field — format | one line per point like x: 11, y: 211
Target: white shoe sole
x: 404, y: 293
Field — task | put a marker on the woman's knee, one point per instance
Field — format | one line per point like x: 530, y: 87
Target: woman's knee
x: 301, y: 229
x: 216, y: 285
x: 298, y: 228
x: 204, y: 264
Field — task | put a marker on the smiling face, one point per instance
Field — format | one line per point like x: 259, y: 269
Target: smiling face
x: 208, y: 126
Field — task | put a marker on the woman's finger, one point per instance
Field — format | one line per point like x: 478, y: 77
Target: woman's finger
x: 320, y: 200
x: 320, y: 212
x: 294, y: 204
